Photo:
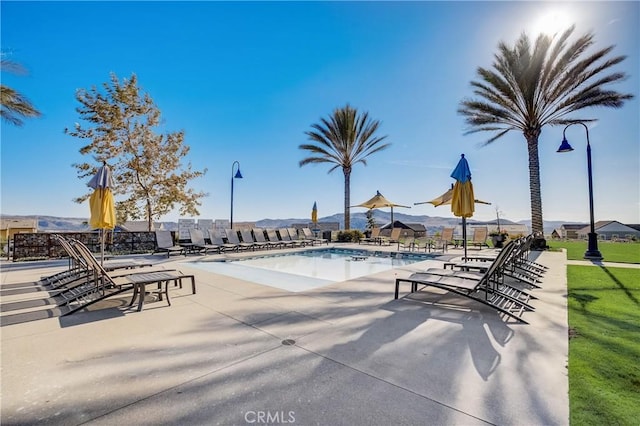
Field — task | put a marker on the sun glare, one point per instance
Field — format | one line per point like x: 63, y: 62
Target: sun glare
x: 550, y: 23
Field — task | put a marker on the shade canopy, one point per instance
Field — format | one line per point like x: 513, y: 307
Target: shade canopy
x: 445, y: 199
x: 379, y: 201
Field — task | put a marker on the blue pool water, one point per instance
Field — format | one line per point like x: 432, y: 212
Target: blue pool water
x: 305, y: 270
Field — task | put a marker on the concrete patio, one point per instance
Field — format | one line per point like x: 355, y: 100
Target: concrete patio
x: 240, y: 353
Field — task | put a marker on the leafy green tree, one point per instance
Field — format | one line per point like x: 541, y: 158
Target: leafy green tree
x: 533, y: 86
x: 147, y: 167
x: 13, y: 105
x: 371, y: 221
x: 344, y: 139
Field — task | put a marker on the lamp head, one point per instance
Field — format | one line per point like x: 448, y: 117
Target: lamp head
x: 564, y: 146
x: 238, y: 174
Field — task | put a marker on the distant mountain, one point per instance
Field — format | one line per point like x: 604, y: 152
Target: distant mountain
x: 358, y: 221
x: 55, y: 224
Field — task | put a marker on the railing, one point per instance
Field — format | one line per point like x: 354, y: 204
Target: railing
x: 41, y: 245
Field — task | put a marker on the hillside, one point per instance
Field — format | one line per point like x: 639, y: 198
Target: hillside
x: 358, y: 221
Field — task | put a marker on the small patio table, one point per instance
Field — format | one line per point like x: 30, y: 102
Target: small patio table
x: 140, y: 281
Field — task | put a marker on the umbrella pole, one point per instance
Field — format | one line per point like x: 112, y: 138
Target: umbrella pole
x: 102, y: 247
x: 464, y: 236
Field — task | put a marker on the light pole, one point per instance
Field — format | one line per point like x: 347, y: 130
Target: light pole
x: 592, y: 249
x: 237, y: 175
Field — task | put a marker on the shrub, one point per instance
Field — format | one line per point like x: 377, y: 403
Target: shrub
x: 352, y: 235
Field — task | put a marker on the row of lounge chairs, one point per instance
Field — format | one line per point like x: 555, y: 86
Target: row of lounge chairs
x: 234, y: 241
x: 442, y: 242
x: 482, y: 278
x: 87, y: 280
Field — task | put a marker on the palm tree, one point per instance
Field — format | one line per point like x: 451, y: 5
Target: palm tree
x: 532, y: 86
x: 13, y: 105
x: 344, y: 139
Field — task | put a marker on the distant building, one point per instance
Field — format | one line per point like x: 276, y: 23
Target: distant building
x: 569, y: 231
x: 416, y: 230
x: 10, y: 227
x: 610, y: 230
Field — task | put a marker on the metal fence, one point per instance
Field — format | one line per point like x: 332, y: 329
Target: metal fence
x: 42, y: 246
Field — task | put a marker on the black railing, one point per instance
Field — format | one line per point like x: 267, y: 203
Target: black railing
x: 41, y: 245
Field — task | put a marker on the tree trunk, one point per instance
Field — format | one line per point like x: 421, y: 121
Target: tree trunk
x: 149, y: 217
x: 347, y: 198
x: 534, y: 182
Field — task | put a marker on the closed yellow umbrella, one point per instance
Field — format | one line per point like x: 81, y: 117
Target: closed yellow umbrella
x: 101, y: 203
x: 314, y: 213
x: 103, y: 211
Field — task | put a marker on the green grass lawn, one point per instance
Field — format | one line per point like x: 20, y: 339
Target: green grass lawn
x: 612, y: 252
x: 604, y: 348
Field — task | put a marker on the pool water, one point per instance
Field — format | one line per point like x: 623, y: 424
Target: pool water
x: 309, y: 269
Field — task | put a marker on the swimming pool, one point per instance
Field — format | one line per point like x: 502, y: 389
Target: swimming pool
x: 306, y: 270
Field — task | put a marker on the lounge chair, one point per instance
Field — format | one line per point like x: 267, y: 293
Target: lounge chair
x: 78, y: 267
x: 273, y: 237
x: 258, y: 235
x: 232, y: 238
x: 487, y: 289
x: 480, y: 237
x: 407, y: 243
x: 293, y: 234
x: 445, y: 240
x: 373, y: 239
x: 308, y: 236
x: 110, y: 285
x: 517, y: 266
x: 285, y: 237
x: 422, y: 243
x: 247, y: 237
x: 394, y: 238
x: 164, y: 243
x: 197, y: 239
x: 218, y: 241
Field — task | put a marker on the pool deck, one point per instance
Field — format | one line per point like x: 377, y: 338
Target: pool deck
x: 239, y: 353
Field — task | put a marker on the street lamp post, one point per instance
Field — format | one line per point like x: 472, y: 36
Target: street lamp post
x: 237, y: 175
x: 592, y: 248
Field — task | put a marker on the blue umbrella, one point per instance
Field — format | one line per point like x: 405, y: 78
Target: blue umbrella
x: 462, y: 202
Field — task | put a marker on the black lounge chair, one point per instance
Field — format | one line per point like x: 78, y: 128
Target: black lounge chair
x: 273, y: 237
x: 164, y: 243
x: 218, y: 241
x: 197, y: 239
x: 488, y: 289
x: 308, y: 236
x: 293, y: 234
x: 258, y: 235
x: 232, y: 238
x: 247, y: 237
x: 286, y: 238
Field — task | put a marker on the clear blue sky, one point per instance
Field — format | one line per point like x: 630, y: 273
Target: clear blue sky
x: 246, y: 80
